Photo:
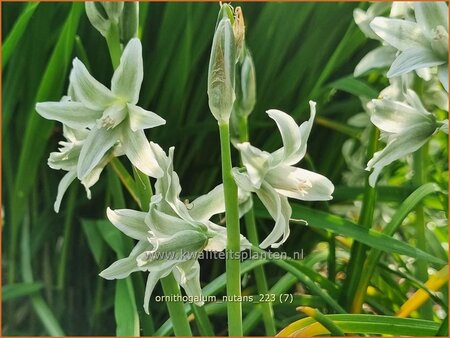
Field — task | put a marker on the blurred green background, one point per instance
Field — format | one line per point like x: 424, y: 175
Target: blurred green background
x: 51, y: 261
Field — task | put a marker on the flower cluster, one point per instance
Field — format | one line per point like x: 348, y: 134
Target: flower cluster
x: 170, y: 234
x: 414, y: 41
x: 107, y: 122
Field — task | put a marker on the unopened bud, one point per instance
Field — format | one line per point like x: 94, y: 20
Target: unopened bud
x: 221, y: 71
x: 248, y: 84
x: 104, y: 14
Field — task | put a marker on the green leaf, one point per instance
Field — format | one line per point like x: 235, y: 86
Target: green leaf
x: 125, y: 311
x: 94, y: 239
x: 355, y: 87
x: 13, y: 291
x: 16, y: 33
x: 372, y: 238
x: 364, y: 324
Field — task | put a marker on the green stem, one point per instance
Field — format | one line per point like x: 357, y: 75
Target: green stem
x: 234, y: 306
x: 141, y: 193
x: 252, y: 235
x: 202, y: 320
x: 176, y: 309
x: 419, y: 162
x: 358, y: 251
x: 113, y: 41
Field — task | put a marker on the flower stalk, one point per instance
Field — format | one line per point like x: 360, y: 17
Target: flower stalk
x: 234, y: 308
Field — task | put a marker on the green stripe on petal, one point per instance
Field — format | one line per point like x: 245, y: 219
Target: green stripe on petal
x: 73, y: 114
x: 130, y: 222
x: 127, y: 79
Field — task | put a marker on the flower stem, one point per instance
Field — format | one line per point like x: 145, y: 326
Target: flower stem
x: 252, y: 234
x: 113, y: 41
x: 176, y: 309
x: 359, y: 251
x: 421, y: 265
x: 234, y: 306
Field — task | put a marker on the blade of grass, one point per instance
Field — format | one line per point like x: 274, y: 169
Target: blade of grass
x: 16, y: 33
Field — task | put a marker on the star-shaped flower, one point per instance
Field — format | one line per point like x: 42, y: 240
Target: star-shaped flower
x: 111, y: 116
x: 422, y: 44
x: 273, y: 177
x: 171, y: 235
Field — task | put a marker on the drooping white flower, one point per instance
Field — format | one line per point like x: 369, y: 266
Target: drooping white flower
x: 67, y: 158
x: 171, y: 235
x: 111, y: 115
x: 422, y: 44
x: 405, y: 126
x: 273, y: 177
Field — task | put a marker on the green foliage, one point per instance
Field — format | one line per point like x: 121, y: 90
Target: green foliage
x: 301, y: 51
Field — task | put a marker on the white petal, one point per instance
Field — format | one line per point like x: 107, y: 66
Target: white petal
x: 165, y: 225
x: 242, y: 180
x: 380, y: 57
x: 127, y: 79
x: 62, y: 188
x: 72, y: 114
x: 188, y: 276
x: 88, y: 90
x: 130, y: 222
x: 400, y: 145
x: 205, y: 206
x: 94, y: 148
x: 143, y: 119
x: 443, y: 76
x: 255, y: 161
x: 301, y: 184
x: 123, y: 267
x: 394, y: 117
x: 429, y: 15
x: 91, y: 178
x: 289, y: 131
x: 280, y: 210
x: 139, y: 152
x: 152, y: 279
x: 401, y: 34
x: 412, y: 59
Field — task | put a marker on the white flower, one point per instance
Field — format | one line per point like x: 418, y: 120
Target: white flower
x: 171, y: 235
x: 67, y: 159
x: 273, y: 177
x: 422, y: 44
x: 404, y: 126
x: 111, y: 116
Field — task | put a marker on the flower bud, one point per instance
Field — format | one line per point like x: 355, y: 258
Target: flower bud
x: 103, y: 14
x: 221, y: 71
x: 248, y: 84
